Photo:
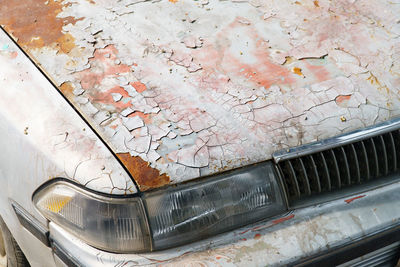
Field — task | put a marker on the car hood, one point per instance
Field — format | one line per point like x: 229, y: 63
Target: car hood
x: 181, y: 89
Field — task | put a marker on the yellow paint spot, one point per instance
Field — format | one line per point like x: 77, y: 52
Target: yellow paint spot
x: 373, y: 80
x: 316, y: 3
x: 343, y: 118
x: 297, y: 71
x: 173, y: 1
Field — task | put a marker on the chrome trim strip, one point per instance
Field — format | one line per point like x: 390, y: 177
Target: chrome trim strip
x: 359, y: 247
x: 31, y: 224
x: 64, y: 256
x: 336, y: 141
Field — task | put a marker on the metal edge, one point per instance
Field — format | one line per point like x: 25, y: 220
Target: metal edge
x: 31, y: 224
x: 336, y: 141
x: 63, y: 255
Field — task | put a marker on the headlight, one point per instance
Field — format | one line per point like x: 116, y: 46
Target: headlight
x: 109, y: 223
x: 176, y: 215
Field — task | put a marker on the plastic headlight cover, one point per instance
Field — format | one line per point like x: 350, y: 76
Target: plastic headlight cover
x: 113, y: 224
x: 197, y: 210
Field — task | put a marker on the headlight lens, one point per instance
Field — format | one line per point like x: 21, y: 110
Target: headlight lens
x: 176, y: 215
x: 113, y: 224
x: 195, y: 211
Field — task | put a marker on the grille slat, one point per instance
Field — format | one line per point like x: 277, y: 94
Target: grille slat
x: 374, y: 156
x: 292, y: 184
x: 396, y: 137
x: 315, y: 173
x: 346, y: 170
x: 305, y: 178
x: 333, y: 169
x: 356, y: 163
x: 326, y: 171
x: 365, y: 156
x: 392, y: 149
x: 382, y: 150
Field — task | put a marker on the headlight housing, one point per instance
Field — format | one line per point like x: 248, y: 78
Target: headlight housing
x: 167, y: 217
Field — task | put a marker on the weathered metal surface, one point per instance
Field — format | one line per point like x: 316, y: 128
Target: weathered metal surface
x: 196, y: 87
x: 42, y: 137
x: 276, y: 242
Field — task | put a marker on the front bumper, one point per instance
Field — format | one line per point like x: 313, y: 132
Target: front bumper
x: 304, y: 236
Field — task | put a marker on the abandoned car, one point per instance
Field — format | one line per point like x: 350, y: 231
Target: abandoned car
x: 200, y: 132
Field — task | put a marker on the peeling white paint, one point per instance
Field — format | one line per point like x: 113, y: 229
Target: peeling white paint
x: 247, y: 77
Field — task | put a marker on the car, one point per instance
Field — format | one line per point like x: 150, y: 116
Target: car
x: 199, y: 133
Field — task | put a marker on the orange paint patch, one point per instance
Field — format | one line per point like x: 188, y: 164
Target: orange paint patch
x: 173, y: 1
x: 106, y: 98
x: 139, y: 87
x: 103, y: 66
x: 145, y: 117
x: 316, y: 3
x: 145, y: 176
x: 103, y: 62
x: 283, y: 219
x: 35, y: 24
x: 342, y: 100
x: 353, y: 198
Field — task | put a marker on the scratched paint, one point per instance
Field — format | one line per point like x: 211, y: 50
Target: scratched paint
x: 195, y: 87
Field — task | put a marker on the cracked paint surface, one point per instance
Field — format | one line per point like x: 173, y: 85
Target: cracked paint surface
x: 48, y: 139
x: 191, y: 88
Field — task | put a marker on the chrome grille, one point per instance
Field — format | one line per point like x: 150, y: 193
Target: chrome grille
x: 332, y: 167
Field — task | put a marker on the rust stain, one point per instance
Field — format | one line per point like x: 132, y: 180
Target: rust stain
x: 34, y: 23
x: 353, y: 198
x: 145, y: 176
x: 283, y: 219
x: 65, y: 43
x: 67, y: 90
